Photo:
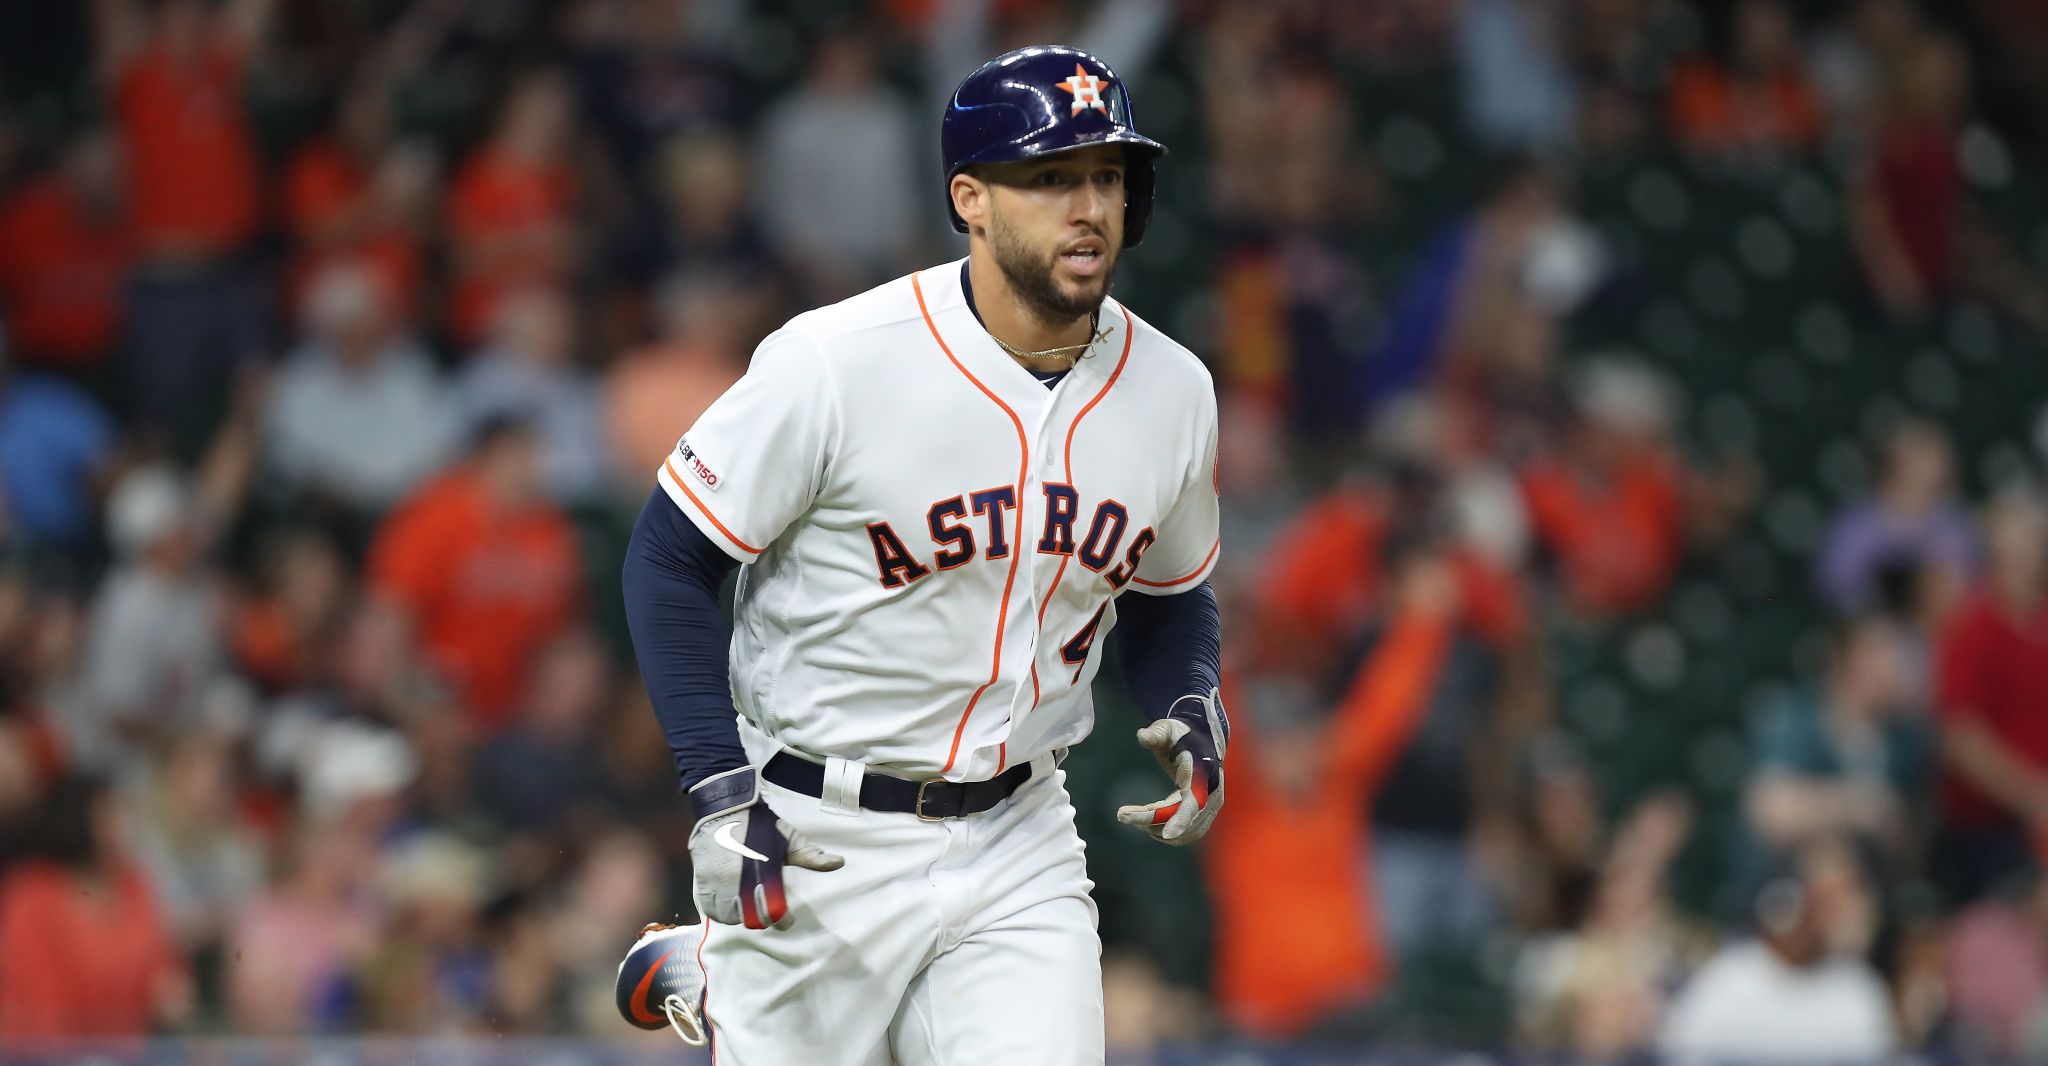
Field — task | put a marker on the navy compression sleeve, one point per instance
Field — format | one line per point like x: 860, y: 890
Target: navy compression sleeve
x: 672, y: 577
x: 1169, y: 646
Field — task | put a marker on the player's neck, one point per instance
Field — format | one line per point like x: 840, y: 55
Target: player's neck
x: 1011, y: 320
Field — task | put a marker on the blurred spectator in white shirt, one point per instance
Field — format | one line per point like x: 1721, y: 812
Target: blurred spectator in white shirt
x: 357, y: 413
x: 201, y: 858
x: 153, y: 641
x: 1799, y: 990
x: 1519, y: 93
x: 844, y: 177
x: 529, y: 372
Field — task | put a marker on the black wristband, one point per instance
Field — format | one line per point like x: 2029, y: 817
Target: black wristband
x: 723, y: 792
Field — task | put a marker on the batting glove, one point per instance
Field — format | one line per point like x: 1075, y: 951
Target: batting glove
x: 1189, y: 745
x: 738, y: 850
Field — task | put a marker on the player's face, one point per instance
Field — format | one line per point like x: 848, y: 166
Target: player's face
x: 1055, y: 226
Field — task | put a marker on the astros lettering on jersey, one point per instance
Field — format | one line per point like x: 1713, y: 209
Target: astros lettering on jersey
x: 937, y: 538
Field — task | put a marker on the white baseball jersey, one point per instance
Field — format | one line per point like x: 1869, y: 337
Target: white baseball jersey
x: 936, y: 539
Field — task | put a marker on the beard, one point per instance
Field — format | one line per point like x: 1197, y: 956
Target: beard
x: 1031, y: 277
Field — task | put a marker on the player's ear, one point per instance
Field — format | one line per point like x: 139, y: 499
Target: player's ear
x: 970, y: 199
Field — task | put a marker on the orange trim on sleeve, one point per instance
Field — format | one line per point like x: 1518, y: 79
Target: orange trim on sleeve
x: 1017, y: 552
x: 729, y: 535
x: 1189, y: 576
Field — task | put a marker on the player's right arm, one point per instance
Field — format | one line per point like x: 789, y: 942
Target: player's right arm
x: 737, y: 851
x: 746, y: 471
x: 672, y: 577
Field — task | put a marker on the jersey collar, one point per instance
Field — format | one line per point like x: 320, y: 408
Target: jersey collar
x: 951, y: 308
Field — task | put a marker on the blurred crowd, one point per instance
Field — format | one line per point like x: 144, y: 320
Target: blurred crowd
x: 341, y: 341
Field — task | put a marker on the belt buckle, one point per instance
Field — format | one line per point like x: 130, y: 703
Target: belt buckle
x: 918, y: 807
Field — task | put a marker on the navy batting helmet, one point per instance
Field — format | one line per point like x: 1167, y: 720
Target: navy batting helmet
x: 1040, y: 100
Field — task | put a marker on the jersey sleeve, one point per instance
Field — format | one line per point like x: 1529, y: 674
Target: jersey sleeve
x: 1189, y: 538
x: 752, y: 463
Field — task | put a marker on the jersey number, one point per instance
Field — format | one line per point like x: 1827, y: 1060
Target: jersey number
x: 1075, y: 651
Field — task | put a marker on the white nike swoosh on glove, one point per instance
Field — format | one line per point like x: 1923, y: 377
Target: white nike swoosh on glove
x: 728, y: 838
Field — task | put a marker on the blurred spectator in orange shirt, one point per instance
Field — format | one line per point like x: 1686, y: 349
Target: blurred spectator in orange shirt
x: 510, y: 210
x: 1440, y: 792
x: 66, y: 247
x: 1297, y: 931
x: 1758, y: 99
x: 351, y: 194
x: 1327, y: 581
x: 654, y: 393
x: 195, y: 189
x: 84, y: 951
x: 177, y: 87
x: 485, y: 566
x: 1607, y: 506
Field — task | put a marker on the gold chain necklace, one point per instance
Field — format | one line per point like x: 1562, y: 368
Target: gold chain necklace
x: 1070, y: 352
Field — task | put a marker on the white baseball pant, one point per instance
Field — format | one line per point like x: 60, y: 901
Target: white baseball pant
x: 963, y: 942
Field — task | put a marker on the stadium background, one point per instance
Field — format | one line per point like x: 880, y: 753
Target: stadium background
x: 1683, y: 362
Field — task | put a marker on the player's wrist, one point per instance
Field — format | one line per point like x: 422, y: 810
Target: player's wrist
x: 1202, y: 711
x: 727, y: 791
x: 1192, y: 708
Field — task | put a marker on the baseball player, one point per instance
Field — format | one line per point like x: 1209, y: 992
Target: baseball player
x: 940, y: 496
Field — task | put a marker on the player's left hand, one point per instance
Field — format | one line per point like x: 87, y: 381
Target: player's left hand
x: 1189, y: 745
x: 738, y: 851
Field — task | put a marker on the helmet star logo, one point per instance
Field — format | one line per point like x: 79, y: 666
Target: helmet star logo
x: 1086, y: 89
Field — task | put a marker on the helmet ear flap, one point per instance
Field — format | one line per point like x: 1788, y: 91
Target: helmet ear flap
x: 1140, y: 180
x: 959, y: 224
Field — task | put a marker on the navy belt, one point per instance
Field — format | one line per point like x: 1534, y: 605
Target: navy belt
x: 932, y: 799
